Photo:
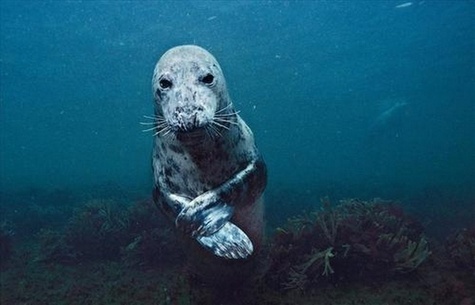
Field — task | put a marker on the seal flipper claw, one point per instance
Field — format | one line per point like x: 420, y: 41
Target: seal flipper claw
x: 228, y: 242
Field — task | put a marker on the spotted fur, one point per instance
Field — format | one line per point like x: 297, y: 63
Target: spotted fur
x: 208, y: 172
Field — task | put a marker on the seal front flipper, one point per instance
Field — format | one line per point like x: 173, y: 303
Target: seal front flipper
x: 228, y: 242
x: 194, y: 218
x: 212, y: 219
x: 205, y: 220
x: 216, y: 233
x: 204, y: 215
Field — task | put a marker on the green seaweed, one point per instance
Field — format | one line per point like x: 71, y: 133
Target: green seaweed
x: 354, y: 239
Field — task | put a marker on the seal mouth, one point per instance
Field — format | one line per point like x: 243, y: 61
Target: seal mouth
x: 195, y: 134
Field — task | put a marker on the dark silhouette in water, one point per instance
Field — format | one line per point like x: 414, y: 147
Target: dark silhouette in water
x: 388, y: 123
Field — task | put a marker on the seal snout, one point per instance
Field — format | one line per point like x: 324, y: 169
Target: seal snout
x: 189, y: 118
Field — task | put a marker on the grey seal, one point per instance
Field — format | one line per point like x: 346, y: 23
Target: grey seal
x: 209, y: 176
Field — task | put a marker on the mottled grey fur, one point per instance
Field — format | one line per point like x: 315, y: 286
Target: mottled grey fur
x: 206, y: 166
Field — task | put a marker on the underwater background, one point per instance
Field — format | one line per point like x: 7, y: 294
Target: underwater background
x: 346, y: 99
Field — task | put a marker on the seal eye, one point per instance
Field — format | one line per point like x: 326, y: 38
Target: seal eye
x: 208, y: 79
x: 165, y: 83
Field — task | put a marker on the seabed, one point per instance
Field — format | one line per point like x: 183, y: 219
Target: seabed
x: 352, y: 252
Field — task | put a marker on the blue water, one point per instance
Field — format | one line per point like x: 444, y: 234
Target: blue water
x: 314, y: 80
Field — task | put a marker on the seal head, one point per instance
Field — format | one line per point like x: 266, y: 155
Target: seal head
x: 190, y: 87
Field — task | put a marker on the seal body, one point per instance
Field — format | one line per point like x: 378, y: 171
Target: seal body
x: 209, y: 176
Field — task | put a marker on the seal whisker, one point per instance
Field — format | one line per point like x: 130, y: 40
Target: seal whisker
x: 166, y: 132
x: 150, y: 129
x: 156, y: 126
x: 220, y: 125
x: 221, y: 120
x: 209, y: 132
x: 153, y: 122
x: 158, y: 123
x: 215, y: 130
x: 227, y: 114
x: 158, y: 118
x: 224, y: 108
x: 157, y: 133
x: 160, y: 128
